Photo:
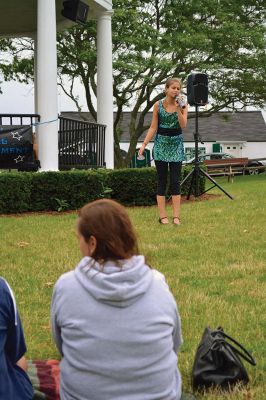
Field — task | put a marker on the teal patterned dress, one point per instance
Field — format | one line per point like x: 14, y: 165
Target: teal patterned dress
x: 168, y: 148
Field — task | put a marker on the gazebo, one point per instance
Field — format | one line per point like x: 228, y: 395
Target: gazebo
x: 39, y: 19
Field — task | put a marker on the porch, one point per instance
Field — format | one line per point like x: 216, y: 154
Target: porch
x: 39, y: 20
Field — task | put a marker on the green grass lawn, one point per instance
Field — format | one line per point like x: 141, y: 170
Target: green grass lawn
x: 214, y: 264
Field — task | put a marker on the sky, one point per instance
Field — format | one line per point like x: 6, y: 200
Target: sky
x: 18, y: 98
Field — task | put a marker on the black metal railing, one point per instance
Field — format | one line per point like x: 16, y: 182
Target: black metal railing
x: 18, y: 119
x: 81, y: 144
x: 16, y: 144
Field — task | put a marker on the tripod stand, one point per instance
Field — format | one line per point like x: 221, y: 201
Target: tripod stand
x: 197, y: 171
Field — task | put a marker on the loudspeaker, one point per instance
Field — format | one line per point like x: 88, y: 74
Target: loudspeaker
x: 197, y: 89
x: 75, y: 10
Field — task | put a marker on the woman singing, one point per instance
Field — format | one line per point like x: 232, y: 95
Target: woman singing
x: 169, y: 117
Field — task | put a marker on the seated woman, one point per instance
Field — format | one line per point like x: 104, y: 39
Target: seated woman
x: 14, y: 382
x: 114, y: 319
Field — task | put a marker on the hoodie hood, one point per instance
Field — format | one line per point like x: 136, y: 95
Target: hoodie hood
x: 117, y: 284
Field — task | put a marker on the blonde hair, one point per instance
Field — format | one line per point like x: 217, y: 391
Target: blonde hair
x: 169, y: 82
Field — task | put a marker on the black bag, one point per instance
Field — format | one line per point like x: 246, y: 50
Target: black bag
x: 217, y: 361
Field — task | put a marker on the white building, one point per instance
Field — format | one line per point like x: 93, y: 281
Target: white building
x: 39, y: 19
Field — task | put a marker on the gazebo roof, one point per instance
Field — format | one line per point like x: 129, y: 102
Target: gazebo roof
x: 19, y: 17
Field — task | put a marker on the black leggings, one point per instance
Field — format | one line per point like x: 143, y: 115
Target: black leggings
x: 175, y: 176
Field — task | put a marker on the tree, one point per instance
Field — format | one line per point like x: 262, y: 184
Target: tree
x: 156, y: 39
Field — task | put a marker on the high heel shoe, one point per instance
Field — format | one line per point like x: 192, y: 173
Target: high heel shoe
x: 161, y: 219
x: 178, y: 221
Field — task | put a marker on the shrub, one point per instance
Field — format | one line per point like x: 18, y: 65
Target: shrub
x: 15, y: 191
x: 74, y: 188
x: 69, y: 190
x: 133, y: 186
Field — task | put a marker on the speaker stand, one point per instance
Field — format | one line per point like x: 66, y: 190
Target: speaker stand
x: 197, y: 171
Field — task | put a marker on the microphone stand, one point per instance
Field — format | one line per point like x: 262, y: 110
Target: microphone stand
x: 197, y: 171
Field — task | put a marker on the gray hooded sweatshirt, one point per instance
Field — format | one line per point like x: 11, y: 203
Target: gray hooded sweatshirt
x: 118, y: 330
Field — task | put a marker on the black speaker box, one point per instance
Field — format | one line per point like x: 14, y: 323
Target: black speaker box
x: 75, y: 10
x: 197, y: 89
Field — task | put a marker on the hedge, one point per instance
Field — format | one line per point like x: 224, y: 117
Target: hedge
x: 70, y: 190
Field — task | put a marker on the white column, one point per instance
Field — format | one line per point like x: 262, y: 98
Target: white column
x: 35, y: 129
x: 105, y: 83
x: 47, y: 85
x: 35, y: 44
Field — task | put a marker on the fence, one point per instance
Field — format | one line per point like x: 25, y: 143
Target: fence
x: 18, y: 119
x: 17, y: 143
x: 81, y: 144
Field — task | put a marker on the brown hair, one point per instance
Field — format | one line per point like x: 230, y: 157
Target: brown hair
x: 169, y: 82
x: 109, y: 223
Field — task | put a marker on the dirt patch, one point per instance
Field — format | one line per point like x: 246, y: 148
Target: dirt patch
x: 203, y: 197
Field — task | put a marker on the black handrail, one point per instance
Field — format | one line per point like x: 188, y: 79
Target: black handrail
x: 22, y: 118
x: 81, y: 144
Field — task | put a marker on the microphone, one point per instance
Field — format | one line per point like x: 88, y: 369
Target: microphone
x: 181, y: 101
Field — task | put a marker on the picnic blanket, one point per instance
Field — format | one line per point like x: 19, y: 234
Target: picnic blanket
x: 44, y: 376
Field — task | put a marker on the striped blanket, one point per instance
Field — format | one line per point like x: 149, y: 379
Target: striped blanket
x: 44, y: 376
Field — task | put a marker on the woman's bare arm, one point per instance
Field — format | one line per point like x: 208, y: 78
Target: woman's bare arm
x: 152, y: 129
